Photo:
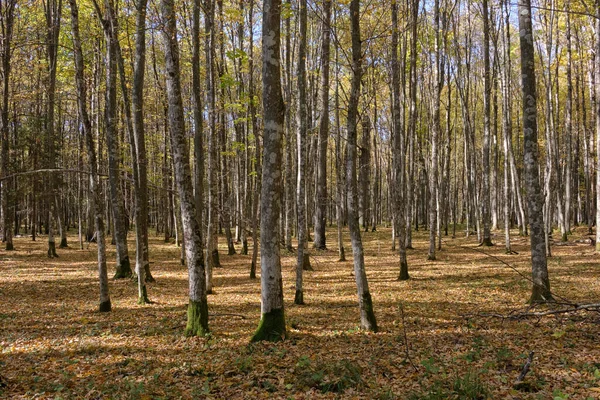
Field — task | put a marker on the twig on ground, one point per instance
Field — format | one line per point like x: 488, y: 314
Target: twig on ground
x: 406, y: 348
x: 525, y: 369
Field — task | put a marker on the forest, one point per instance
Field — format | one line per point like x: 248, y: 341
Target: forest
x: 377, y: 199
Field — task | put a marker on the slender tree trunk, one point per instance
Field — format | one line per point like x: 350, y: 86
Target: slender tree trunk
x: 398, y: 151
x: 541, y: 282
x: 8, y: 195
x: 95, y: 189
x: 338, y: 164
x: 197, y: 314
x: 301, y: 143
x: 272, y: 322
x: 321, y: 194
x: 486, y: 203
x: 367, y: 315
x: 568, y: 131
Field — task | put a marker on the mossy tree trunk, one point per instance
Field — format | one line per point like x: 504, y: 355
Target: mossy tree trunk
x: 272, y: 323
x: 197, y: 315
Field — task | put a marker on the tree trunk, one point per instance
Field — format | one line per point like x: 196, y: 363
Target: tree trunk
x: 486, y: 203
x: 197, y: 314
x: 301, y: 143
x: 8, y: 195
x: 398, y: 151
x: 541, y: 282
x: 367, y: 315
x: 95, y: 190
x: 272, y: 322
x: 321, y: 193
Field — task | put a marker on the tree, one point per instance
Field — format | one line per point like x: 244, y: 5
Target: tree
x: 197, y: 314
x: 321, y: 192
x: 539, y: 268
x: 108, y: 22
x: 398, y: 160
x: 486, y: 203
x: 7, y: 13
x: 301, y: 134
x: 95, y: 190
x: 367, y: 315
x: 272, y: 322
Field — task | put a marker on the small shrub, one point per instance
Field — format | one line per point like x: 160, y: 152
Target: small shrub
x: 470, y: 387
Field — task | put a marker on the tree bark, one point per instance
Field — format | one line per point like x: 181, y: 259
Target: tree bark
x: 95, y: 189
x: 367, y: 315
x: 321, y: 193
x: 197, y: 314
x: 539, y: 269
x: 272, y: 323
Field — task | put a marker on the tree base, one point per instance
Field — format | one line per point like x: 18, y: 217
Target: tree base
x: 565, y: 237
x: 271, y: 327
x: 253, y: 270
x: 9, y: 246
x: 216, y: 262
x: 299, y: 297
x: 244, y: 247
x: 342, y: 255
x: 52, y: 250
x: 306, y: 263
x: 63, y: 243
x: 431, y: 257
x: 197, y: 319
x: 231, y: 249
x: 143, y: 299
x: 540, y: 296
x: 149, y: 277
x: 403, y: 272
x: 105, y: 306
x: 487, y: 242
x: 367, y: 315
x: 123, y: 269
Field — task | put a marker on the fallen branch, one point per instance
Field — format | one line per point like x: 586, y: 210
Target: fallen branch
x: 574, y: 308
x: 406, y: 349
x: 525, y: 369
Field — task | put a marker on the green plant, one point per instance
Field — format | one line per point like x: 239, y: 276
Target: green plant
x: 470, y: 386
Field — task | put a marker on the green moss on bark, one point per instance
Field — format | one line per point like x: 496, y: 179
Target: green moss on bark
x: 271, y: 327
x: 197, y: 319
x: 143, y: 299
x: 105, y: 306
x: 367, y: 315
x: 123, y: 269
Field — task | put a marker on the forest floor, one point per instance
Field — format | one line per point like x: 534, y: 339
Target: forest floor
x: 54, y: 344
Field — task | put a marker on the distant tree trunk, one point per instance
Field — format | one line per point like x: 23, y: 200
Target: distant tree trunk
x: 212, y: 251
x: 364, y: 174
x: 435, y: 133
x: 290, y: 221
x: 568, y: 131
x: 257, y: 150
x: 198, y: 118
x: 301, y: 143
x: 541, y: 282
x: 597, y: 103
x: 367, y: 315
x: 398, y: 151
x: 197, y: 314
x: 486, y: 203
x: 339, y: 170
x: 8, y: 197
x: 95, y: 190
x: 142, y: 264
x: 272, y: 322
x: 53, y: 10
x: 412, y: 120
x: 321, y: 194
x: 123, y: 269
x: 506, y: 126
